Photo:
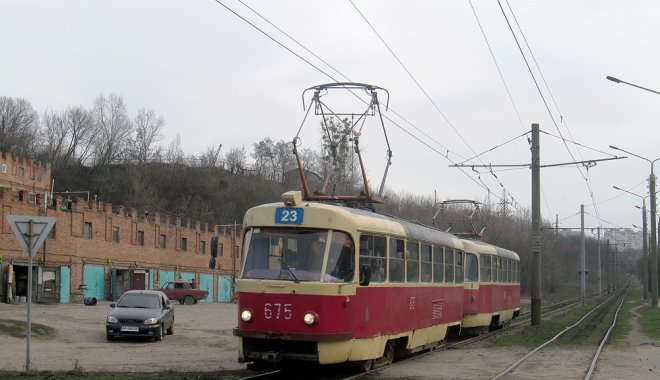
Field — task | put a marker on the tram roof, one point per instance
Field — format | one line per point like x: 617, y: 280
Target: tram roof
x: 413, y: 229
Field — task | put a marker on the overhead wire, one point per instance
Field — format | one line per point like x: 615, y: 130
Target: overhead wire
x: 445, y: 155
x: 552, y: 117
x: 426, y: 94
x: 492, y: 54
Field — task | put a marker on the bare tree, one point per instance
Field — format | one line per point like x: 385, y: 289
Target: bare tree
x: 67, y: 135
x: 148, y: 126
x: 211, y: 157
x: 263, y: 155
x: 19, y: 124
x: 113, y: 130
x: 284, y: 160
x: 338, y: 148
x: 174, y: 153
x: 236, y: 160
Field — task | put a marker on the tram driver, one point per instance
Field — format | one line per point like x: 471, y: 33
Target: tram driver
x: 340, y: 258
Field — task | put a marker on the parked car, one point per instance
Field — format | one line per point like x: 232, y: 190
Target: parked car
x: 140, y: 313
x: 184, y: 292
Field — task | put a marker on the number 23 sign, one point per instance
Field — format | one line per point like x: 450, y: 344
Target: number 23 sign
x: 289, y: 215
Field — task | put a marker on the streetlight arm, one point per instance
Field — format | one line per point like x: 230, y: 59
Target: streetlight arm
x: 632, y: 154
x: 617, y: 80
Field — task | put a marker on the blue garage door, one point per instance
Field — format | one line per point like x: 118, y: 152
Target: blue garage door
x: 152, y: 272
x: 93, y: 277
x: 65, y: 284
x: 224, y: 288
x: 164, y: 276
x: 206, y: 283
x: 187, y: 276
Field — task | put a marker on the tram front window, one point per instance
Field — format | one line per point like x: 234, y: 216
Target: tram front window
x: 295, y: 254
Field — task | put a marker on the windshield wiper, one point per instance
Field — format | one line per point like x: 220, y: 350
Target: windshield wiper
x: 295, y: 279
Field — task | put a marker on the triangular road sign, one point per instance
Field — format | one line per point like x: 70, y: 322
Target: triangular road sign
x: 41, y: 226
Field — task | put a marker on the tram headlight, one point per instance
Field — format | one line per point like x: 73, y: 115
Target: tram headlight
x: 246, y: 315
x: 310, y: 318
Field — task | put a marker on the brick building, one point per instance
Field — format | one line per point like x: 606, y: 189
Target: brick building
x: 106, y: 247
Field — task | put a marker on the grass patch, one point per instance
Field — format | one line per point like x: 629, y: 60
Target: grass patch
x: 18, y: 329
x: 623, y: 322
x: 590, y: 331
x: 650, y: 321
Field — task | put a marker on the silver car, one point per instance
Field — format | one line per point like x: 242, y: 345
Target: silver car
x: 140, y: 313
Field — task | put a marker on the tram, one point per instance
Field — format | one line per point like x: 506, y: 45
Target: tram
x: 327, y: 283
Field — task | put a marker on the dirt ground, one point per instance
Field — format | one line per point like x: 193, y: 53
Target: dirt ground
x: 635, y: 358
x: 203, y: 341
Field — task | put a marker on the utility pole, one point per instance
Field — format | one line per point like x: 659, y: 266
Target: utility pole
x: 609, y: 269
x: 600, y: 287
x: 583, y: 262
x: 536, y: 227
x: 536, y: 214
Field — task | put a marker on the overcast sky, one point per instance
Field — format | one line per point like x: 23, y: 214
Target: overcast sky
x: 218, y: 80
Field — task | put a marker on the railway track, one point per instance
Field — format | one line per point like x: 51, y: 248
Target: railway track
x: 347, y: 373
x: 616, y: 300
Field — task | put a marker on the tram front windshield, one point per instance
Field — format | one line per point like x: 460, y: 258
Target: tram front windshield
x: 299, y: 255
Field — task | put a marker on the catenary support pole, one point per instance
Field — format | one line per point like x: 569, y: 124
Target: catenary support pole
x: 536, y: 227
x: 583, y: 269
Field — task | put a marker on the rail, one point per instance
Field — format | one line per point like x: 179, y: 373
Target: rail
x: 517, y: 363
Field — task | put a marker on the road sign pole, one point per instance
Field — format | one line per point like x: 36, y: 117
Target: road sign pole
x: 29, y: 300
x: 30, y: 231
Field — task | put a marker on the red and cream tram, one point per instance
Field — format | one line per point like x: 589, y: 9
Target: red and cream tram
x: 333, y: 284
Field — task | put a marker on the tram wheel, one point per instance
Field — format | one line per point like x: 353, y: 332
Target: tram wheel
x: 389, y: 352
x: 367, y: 365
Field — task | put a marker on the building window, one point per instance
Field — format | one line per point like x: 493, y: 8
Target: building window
x: 51, y: 234
x: 220, y: 249
x: 202, y: 247
x: 21, y: 171
x: 140, y: 237
x: 115, y: 234
x: 236, y: 251
x: 184, y: 244
x: 88, y: 230
x: 162, y: 241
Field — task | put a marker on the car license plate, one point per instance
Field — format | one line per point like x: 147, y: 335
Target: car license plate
x: 130, y: 328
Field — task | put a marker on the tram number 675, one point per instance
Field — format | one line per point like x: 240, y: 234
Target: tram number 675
x: 277, y: 310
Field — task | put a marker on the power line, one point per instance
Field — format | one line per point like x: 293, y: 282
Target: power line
x: 446, y: 156
x: 492, y: 54
x: 425, y: 94
x: 554, y: 121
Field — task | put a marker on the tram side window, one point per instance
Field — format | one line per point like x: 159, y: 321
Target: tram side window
x: 412, y: 262
x: 438, y: 259
x: 498, y: 269
x: 396, y: 263
x: 486, y: 270
x: 426, y: 263
x: 372, y: 252
x: 459, y: 267
x: 471, y: 268
x: 449, y: 265
x: 516, y: 272
x: 507, y: 265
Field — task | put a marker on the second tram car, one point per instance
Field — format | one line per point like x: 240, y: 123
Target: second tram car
x: 333, y: 284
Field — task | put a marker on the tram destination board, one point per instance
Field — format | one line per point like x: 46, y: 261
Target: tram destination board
x: 289, y: 215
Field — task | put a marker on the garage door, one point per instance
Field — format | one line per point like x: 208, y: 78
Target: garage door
x: 164, y: 276
x: 224, y: 288
x: 65, y: 284
x: 93, y: 277
x: 187, y: 276
x: 206, y: 283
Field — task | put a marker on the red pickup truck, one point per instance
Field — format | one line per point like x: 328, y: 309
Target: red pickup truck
x: 184, y: 292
